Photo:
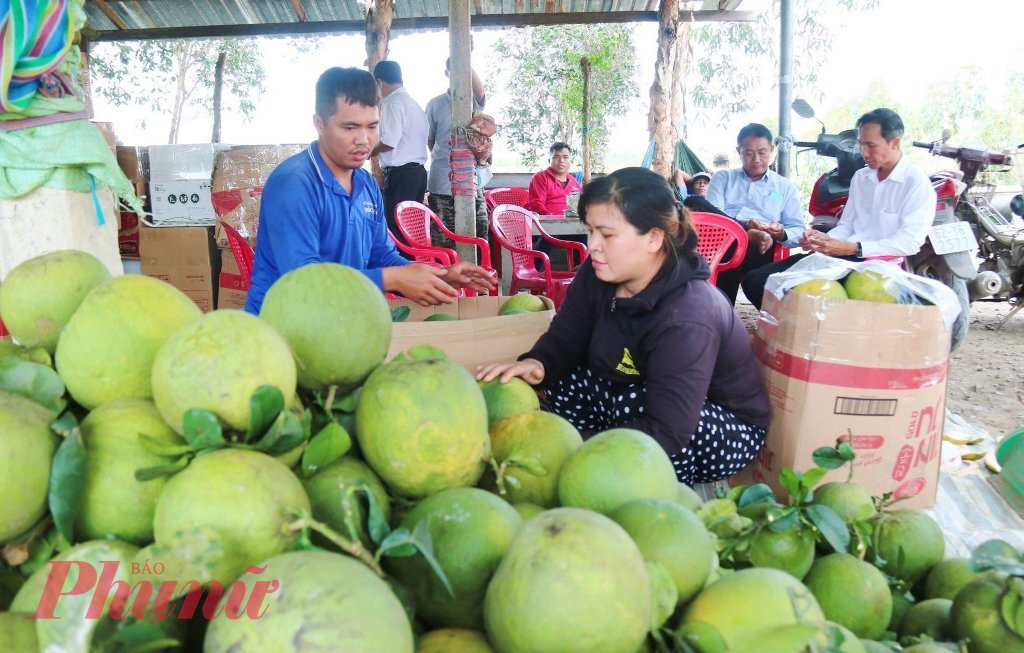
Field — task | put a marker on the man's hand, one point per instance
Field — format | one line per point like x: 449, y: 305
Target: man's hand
x: 466, y: 275
x: 528, y: 369
x: 825, y: 244
x: 773, y: 229
x: 760, y: 239
x: 423, y: 284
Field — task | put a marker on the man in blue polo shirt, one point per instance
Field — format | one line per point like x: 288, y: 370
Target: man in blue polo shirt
x: 321, y: 206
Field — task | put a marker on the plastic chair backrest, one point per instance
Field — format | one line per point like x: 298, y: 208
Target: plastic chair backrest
x: 496, y: 196
x: 515, y: 225
x: 242, y: 251
x: 715, y: 235
x: 413, y: 221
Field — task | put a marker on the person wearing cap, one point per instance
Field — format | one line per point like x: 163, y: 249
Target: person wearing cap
x: 403, y: 141
x: 720, y: 162
x: 695, y: 185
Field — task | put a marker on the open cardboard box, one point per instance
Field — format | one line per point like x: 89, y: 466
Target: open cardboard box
x: 478, y: 337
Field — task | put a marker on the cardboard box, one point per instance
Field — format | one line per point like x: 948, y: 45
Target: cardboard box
x: 479, y: 336
x: 836, y: 366
x: 238, y: 179
x: 183, y: 257
x: 231, y: 292
x: 180, y: 184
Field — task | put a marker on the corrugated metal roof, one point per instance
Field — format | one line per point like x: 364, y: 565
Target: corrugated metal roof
x: 119, y: 19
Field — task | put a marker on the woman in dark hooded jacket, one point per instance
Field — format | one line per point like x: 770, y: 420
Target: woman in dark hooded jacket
x: 643, y: 341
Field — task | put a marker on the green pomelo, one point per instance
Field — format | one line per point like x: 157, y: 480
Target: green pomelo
x: 978, y: 613
x: 38, y: 297
x: 335, y: 320
x: 524, y: 302
x: 106, y: 351
x: 72, y: 629
x: 26, y: 450
x: 664, y: 595
x: 837, y: 634
x: 18, y: 633
x: 909, y: 542
x: 515, y: 311
x: 852, y: 593
x: 422, y: 426
x: 849, y: 500
x: 750, y: 601
x: 216, y: 363
x: 948, y: 577
x: 901, y: 602
x: 791, y: 638
x: 470, y: 530
x: 688, y: 497
x: 505, y: 399
x: 243, y: 495
x: 332, y: 493
x: 673, y: 536
x: 528, y: 510
x: 547, y: 439
x: 114, y: 504
x: 821, y: 288
x: 933, y: 647
x: 872, y: 646
x: 572, y: 581
x: 616, y: 467
x: 325, y: 602
x: 930, y: 617
x: 869, y: 286
x: 440, y: 317
x: 791, y: 550
x: 454, y: 640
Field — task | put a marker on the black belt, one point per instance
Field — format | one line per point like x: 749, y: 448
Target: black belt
x: 404, y: 165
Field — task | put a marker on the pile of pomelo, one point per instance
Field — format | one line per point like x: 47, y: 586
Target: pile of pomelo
x: 400, y: 506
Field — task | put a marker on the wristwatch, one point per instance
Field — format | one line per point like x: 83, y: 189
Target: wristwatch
x: 860, y: 251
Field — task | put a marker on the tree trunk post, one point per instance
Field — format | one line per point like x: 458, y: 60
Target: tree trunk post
x: 785, y: 86
x: 378, y: 35
x: 659, y: 121
x: 460, y: 79
x: 680, y: 69
x: 585, y: 65
x: 218, y: 88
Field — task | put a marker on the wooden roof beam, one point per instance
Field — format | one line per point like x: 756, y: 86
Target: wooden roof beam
x: 111, y: 14
x: 300, y: 13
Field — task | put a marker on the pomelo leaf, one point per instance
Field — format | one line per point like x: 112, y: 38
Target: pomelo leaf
x: 376, y: 524
x: 830, y: 525
x: 996, y: 554
x: 265, y: 405
x: 828, y: 457
x: 149, y: 473
x: 347, y: 403
x: 288, y: 432
x: 398, y: 544
x: 140, y: 637
x: 400, y: 313
x: 160, y: 447
x: 41, y: 551
x: 201, y: 429
x: 37, y: 382
x: 758, y: 493
x: 782, y: 518
x: 531, y: 466
x: 811, y: 478
x: 790, y: 482
x: 330, y: 444
x: 67, y: 483
x: 1009, y: 605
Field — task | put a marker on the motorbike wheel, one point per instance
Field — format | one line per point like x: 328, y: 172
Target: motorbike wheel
x: 935, y: 268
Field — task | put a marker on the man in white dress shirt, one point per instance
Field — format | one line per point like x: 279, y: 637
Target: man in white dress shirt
x: 403, y: 141
x: 890, y: 208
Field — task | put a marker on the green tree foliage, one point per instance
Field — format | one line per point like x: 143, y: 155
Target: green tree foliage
x: 734, y: 60
x: 165, y: 77
x: 542, y: 65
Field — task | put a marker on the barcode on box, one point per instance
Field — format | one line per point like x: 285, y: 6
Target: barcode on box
x: 873, y: 407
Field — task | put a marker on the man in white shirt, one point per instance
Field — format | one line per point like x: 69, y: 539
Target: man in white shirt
x: 403, y: 141
x: 890, y: 208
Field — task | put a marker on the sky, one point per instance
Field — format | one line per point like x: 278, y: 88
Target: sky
x: 909, y: 44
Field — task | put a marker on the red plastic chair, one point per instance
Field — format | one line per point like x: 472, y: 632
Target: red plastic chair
x: 715, y: 235
x: 242, y: 251
x: 512, y: 227
x: 413, y: 221
x: 496, y: 196
x: 439, y: 256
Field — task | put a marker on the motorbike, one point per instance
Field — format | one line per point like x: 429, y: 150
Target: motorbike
x: 946, y: 253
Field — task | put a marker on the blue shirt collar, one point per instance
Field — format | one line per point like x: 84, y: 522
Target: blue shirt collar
x: 327, y: 177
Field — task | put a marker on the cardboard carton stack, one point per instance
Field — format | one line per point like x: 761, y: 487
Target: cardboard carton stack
x: 180, y: 184
x: 183, y: 257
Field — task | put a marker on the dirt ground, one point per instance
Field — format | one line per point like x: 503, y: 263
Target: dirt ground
x: 986, y: 374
